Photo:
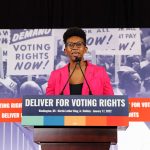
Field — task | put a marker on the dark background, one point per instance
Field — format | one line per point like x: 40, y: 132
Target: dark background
x: 66, y: 13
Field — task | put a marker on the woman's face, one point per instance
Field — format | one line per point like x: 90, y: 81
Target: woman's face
x: 75, y: 47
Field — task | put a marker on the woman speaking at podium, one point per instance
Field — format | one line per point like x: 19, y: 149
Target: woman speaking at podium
x: 79, y: 77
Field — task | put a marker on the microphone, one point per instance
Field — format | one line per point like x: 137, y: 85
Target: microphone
x: 78, y: 62
x: 77, y: 59
x: 61, y: 93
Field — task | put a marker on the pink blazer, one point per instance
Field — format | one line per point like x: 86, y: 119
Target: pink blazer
x: 96, y: 76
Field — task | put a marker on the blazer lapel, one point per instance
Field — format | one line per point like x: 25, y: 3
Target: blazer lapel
x: 88, y: 75
x: 64, y: 78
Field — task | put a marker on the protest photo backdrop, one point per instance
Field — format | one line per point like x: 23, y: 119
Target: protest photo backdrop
x: 27, y: 57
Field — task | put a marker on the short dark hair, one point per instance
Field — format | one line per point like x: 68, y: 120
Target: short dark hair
x: 74, y: 31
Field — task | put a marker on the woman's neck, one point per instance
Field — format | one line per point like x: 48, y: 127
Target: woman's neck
x: 77, y: 76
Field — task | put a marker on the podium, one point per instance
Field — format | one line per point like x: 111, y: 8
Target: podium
x: 75, y: 138
x: 55, y: 126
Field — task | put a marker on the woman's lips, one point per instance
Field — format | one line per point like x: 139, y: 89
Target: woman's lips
x: 75, y: 54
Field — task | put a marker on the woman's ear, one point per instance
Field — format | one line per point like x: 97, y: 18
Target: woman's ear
x: 86, y: 49
x: 65, y: 51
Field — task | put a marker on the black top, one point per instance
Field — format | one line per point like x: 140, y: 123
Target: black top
x: 76, y: 89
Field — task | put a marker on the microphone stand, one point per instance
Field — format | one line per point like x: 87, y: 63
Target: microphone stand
x: 61, y: 93
x: 78, y: 62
